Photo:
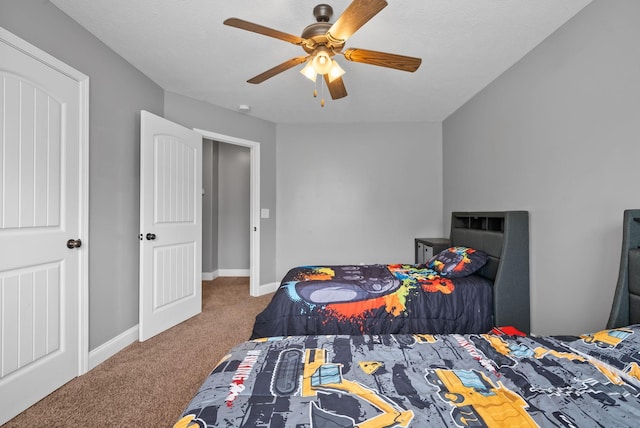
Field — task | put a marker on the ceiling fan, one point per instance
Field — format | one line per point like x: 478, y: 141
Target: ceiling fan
x: 322, y: 40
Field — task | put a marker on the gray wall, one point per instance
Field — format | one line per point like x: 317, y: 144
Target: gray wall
x: 351, y: 193
x: 197, y: 114
x: 234, y: 220
x: 210, y: 206
x: 117, y: 92
x: 226, y: 207
x: 557, y: 135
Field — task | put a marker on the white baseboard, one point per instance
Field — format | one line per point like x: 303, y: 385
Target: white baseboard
x: 210, y: 276
x: 268, y: 288
x: 112, y: 347
x: 234, y: 272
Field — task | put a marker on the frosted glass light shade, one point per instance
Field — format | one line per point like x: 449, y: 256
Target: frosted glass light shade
x: 309, y: 72
x: 322, y: 62
x: 335, y: 71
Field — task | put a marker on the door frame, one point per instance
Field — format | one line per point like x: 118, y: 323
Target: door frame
x: 83, y: 133
x: 254, y: 203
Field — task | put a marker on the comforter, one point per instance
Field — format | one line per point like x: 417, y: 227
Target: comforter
x: 424, y: 380
x: 375, y: 299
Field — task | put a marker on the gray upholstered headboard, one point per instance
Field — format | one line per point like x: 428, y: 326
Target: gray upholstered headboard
x: 626, y: 301
x: 504, y: 236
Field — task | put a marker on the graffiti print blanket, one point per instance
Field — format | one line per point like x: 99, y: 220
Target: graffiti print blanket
x: 375, y: 299
x: 424, y: 380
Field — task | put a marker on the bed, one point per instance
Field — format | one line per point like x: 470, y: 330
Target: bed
x: 424, y: 380
x: 437, y: 380
x: 626, y: 301
x: 490, y: 288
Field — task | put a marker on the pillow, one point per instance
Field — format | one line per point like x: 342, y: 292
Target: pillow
x: 456, y: 262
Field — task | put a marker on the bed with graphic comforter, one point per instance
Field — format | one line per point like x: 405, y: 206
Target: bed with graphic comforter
x: 376, y: 299
x: 480, y: 380
x: 480, y: 281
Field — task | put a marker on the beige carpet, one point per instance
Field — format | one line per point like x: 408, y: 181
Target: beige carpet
x: 149, y: 384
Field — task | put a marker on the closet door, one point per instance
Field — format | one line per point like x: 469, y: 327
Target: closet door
x: 42, y: 256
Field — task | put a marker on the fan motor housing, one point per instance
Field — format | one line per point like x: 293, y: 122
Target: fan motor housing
x: 323, y: 12
x: 316, y: 33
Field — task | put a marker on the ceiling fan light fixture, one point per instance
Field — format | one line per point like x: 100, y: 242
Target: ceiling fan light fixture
x: 322, y: 62
x: 335, y: 71
x: 309, y: 72
x: 322, y: 40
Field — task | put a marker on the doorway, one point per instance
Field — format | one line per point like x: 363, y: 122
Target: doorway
x: 254, y: 202
x: 225, y: 210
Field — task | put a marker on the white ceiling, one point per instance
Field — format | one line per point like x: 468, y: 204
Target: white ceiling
x: 183, y: 46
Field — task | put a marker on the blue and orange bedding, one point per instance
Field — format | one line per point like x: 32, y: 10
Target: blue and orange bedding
x: 376, y: 299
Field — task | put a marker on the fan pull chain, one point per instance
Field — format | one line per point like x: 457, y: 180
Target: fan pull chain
x: 315, y: 92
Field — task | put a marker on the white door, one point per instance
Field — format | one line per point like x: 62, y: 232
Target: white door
x: 170, y: 224
x: 41, y: 279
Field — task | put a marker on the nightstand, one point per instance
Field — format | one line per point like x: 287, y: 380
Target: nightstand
x: 428, y: 247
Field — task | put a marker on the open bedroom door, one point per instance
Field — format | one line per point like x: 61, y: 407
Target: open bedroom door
x: 170, y: 224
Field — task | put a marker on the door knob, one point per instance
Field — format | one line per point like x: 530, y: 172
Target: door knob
x: 74, y: 243
x: 151, y: 236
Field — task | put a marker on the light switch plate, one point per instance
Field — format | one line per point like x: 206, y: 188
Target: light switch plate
x: 264, y: 213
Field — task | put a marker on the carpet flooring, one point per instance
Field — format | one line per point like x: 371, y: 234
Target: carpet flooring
x: 149, y: 384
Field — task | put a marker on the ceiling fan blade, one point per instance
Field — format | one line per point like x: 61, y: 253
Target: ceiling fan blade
x: 336, y: 88
x: 358, y: 13
x: 278, y: 69
x: 266, y: 31
x: 383, y: 59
